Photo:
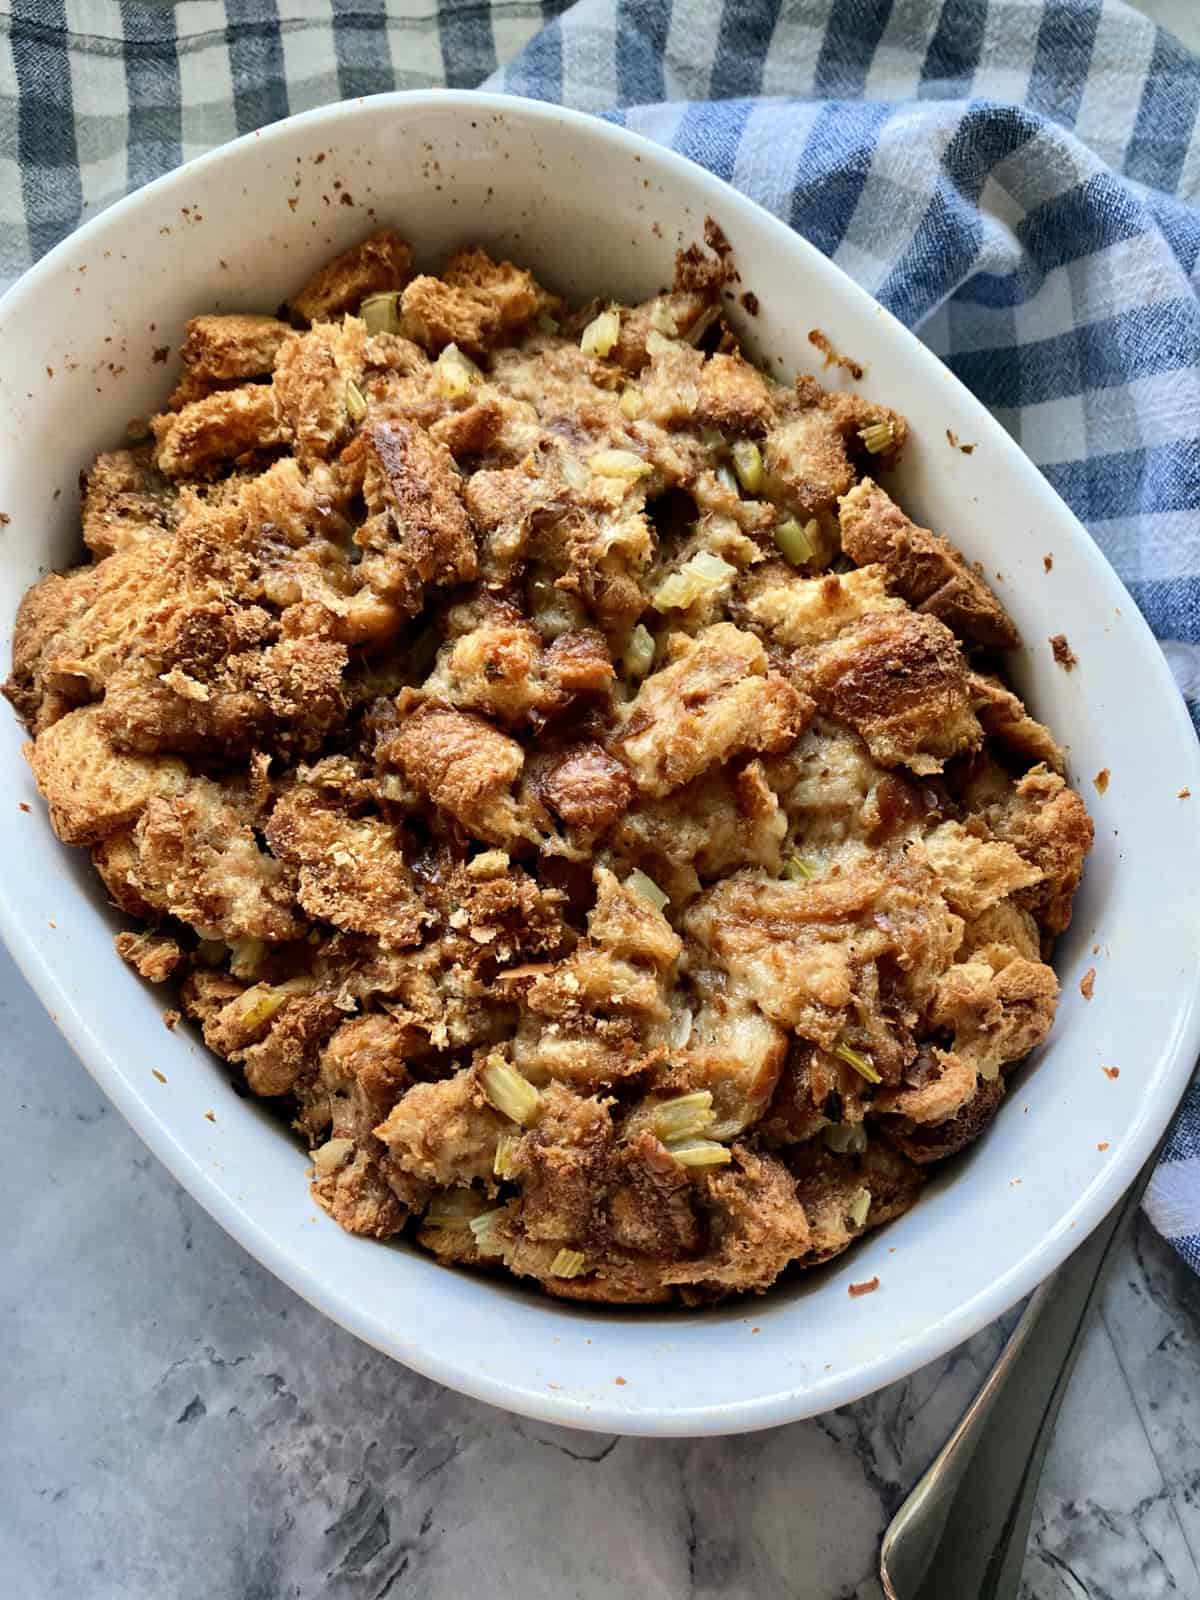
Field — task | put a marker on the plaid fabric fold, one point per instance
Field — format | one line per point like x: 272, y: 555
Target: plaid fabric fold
x: 1016, y: 179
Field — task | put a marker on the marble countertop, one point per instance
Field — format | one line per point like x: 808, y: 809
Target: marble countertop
x: 177, y: 1425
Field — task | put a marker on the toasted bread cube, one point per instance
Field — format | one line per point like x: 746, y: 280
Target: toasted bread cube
x: 91, y: 789
x: 378, y: 264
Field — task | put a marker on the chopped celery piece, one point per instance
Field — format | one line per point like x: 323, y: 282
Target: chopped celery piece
x: 797, y: 868
x: 792, y: 542
x: 567, y: 1264
x: 356, y: 405
x: 862, y: 1064
x: 860, y: 1205
x: 748, y: 464
x: 699, y: 1153
x: 878, y: 437
x: 684, y: 1117
x: 511, y: 1094
x: 640, y: 883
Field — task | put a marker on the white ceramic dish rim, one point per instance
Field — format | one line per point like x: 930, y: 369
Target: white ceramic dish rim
x: 774, y: 1406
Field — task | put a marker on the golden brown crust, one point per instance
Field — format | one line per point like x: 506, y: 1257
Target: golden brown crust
x: 233, y: 346
x: 900, y: 680
x: 609, y: 902
x: 198, y: 440
x: 378, y: 264
x: 927, y: 571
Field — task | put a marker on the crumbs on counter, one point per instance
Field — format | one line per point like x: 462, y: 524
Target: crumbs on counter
x: 23, y: 805
x: 171, y: 1018
x: 1101, y: 780
x: 5, y: 519
x: 1048, y: 562
x: 1063, y: 653
x: 855, y: 1290
x: 1111, y: 1072
x: 1087, y: 984
x: 161, y: 1076
x: 956, y: 443
x: 833, y: 356
x: 210, y: 1116
x: 620, y: 1382
x: 1184, y: 794
x: 1103, y: 1145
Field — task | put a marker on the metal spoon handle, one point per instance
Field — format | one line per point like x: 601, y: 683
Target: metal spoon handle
x: 963, y: 1529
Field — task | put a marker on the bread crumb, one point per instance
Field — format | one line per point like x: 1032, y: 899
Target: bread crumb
x: 755, y: 1330
x: 1111, y: 1072
x: 1103, y: 1145
x: 955, y: 444
x: 159, y: 1075
x: 1087, y: 984
x: 1101, y: 780
x: 869, y: 1287
x: 620, y: 1382
x: 210, y: 1116
x: 170, y: 1018
x: 1048, y: 562
x: 1063, y: 653
x: 23, y: 806
x: 833, y: 356
x: 1184, y: 794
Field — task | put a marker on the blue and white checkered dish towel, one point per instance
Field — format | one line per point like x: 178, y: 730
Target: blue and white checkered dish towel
x: 1019, y: 179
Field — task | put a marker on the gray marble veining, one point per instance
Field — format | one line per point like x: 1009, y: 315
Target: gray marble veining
x: 176, y: 1425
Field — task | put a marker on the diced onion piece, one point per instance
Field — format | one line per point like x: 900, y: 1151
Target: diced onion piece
x: 684, y: 1117
x: 356, y: 405
x: 567, y: 1264
x: 682, y: 1031
x: 748, y: 464
x: 878, y: 437
x: 258, y: 1004
x: 699, y: 1153
x: 456, y: 373
x: 506, y: 1147
x: 846, y: 1138
x: 860, y: 1205
x: 381, y: 313
x: 797, y: 869
x: 334, y: 1153
x: 619, y: 464
x: 245, y: 955
x: 632, y: 403
x: 601, y: 333
x: 484, y: 1229
x: 703, y: 574
x: 726, y: 478
x: 792, y: 541
x: 453, y: 1208
x: 657, y: 344
x: 639, y: 652
x: 511, y: 1094
x: 640, y: 883
x: 861, y: 1063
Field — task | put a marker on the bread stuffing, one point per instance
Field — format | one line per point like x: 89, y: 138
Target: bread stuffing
x: 541, y: 756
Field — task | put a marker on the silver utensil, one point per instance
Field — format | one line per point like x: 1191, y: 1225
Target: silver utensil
x: 961, y: 1534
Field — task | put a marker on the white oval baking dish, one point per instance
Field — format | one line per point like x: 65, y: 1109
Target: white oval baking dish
x: 594, y: 209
